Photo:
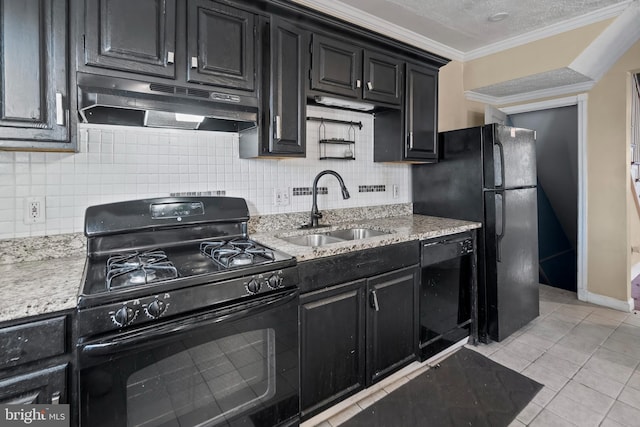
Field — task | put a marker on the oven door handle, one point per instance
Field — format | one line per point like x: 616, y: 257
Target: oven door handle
x: 152, y: 337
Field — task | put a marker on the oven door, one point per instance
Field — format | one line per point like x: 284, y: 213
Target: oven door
x: 232, y: 366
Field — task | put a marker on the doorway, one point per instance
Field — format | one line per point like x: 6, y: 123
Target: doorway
x: 562, y: 177
x: 557, y: 167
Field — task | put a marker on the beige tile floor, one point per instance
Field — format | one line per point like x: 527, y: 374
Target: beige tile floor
x: 586, y: 356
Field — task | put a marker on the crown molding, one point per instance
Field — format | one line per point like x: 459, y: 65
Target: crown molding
x: 546, y: 105
x: 609, y: 46
x: 528, y: 96
x: 552, y: 30
x: 356, y: 16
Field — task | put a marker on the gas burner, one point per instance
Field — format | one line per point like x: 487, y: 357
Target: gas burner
x: 139, y: 268
x: 236, y: 252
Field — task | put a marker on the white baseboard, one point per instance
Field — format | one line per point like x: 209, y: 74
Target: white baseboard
x: 605, y: 301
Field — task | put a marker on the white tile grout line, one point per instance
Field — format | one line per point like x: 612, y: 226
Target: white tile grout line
x: 585, y: 362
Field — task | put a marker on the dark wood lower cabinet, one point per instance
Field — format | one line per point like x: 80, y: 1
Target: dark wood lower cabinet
x: 355, y: 334
x: 332, y: 345
x: 392, y: 322
x: 35, y: 361
x: 38, y: 387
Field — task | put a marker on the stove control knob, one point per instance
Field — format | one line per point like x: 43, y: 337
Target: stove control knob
x: 253, y: 287
x: 124, y: 316
x: 275, y: 281
x: 155, y: 308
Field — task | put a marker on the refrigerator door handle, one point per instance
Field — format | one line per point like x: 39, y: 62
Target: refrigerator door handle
x: 499, y: 164
x: 500, y: 196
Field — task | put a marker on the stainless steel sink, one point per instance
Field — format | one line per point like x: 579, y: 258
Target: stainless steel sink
x: 356, y: 233
x: 337, y: 236
x: 312, y: 240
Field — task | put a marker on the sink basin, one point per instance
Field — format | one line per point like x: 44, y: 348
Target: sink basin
x: 337, y: 236
x: 312, y: 240
x: 356, y: 233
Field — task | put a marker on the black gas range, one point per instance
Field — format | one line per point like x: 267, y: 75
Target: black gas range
x: 152, y: 259
x: 183, y: 320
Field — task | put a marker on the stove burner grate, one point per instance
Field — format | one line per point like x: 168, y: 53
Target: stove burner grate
x: 139, y: 268
x: 236, y: 252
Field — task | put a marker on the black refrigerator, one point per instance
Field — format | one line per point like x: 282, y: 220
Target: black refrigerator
x: 488, y: 174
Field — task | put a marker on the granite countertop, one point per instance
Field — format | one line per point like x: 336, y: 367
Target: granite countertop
x: 400, y: 228
x: 31, y: 287
x: 37, y: 287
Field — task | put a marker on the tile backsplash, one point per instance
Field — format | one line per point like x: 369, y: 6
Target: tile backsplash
x: 117, y: 163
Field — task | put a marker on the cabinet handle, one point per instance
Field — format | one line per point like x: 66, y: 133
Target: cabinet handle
x: 59, y: 110
x: 278, y: 127
x: 55, y: 398
x: 370, y: 85
x: 374, y: 300
x: 170, y: 57
x: 410, y: 140
x: 358, y: 83
x: 194, y: 62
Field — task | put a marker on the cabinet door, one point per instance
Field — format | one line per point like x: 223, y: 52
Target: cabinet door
x: 39, y: 387
x: 288, y: 102
x: 392, y: 320
x: 134, y: 36
x: 332, y: 345
x: 382, y: 78
x: 34, y: 99
x: 336, y: 67
x: 220, y: 45
x: 421, y: 113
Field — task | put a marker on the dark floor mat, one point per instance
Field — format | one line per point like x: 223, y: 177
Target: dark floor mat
x: 467, y: 389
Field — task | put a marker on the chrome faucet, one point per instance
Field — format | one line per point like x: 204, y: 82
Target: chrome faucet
x: 315, y: 214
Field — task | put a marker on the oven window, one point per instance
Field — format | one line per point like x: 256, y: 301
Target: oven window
x: 204, y: 384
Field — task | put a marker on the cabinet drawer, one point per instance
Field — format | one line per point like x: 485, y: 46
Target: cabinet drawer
x: 40, y: 387
x: 323, y: 272
x: 32, y: 341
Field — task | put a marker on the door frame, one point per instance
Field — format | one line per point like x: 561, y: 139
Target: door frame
x: 582, y: 250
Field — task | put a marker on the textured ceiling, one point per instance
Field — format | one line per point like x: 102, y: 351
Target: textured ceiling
x: 534, y: 82
x: 463, y: 24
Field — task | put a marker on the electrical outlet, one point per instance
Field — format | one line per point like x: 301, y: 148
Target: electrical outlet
x: 34, y: 210
x: 281, y: 197
x: 395, y: 191
x: 285, y: 199
x: 277, y: 197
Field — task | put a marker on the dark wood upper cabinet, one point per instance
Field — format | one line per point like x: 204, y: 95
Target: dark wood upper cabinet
x: 411, y: 133
x: 382, y: 78
x: 421, y: 112
x: 341, y: 68
x: 134, y: 36
x: 221, y: 45
x: 336, y: 67
x: 288, y: 102
x: 34, y: 96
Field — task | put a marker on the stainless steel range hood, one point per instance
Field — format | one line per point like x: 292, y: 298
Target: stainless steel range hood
x: 118, y: 101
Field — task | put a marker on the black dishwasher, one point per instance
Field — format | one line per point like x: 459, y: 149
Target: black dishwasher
x: 446, y: 289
